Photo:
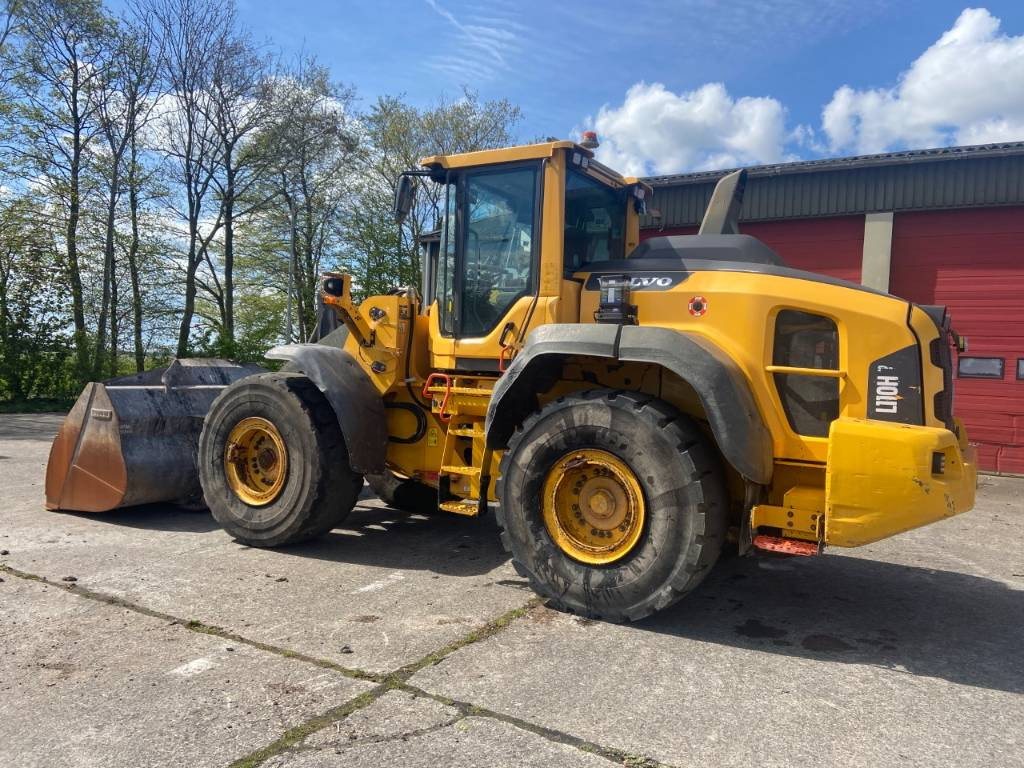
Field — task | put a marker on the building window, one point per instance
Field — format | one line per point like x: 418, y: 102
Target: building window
x: 810, y: 400
x: 980, y: 367
x: 1020, y: 368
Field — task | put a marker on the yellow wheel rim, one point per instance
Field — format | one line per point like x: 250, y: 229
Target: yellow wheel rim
x: 593, y: 506
x: 255, y: 461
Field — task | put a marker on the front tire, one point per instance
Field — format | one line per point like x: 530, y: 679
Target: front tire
x: 612, y: 504
x: 273, y: 462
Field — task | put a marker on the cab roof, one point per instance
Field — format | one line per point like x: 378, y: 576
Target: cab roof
x: 524, y: 152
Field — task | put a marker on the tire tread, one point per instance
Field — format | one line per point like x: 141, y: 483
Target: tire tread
x: 693, y: 449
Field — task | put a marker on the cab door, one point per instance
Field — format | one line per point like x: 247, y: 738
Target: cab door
x: 487, y: 281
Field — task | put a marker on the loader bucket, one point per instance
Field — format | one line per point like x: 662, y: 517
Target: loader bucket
x: 133, y: 439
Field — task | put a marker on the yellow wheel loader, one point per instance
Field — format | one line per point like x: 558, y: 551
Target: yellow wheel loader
x: 626, y: 409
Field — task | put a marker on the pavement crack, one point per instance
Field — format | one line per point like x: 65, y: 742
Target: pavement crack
x: 467, y: 709
x: 393, y: 681
x: 491, y: 628
x: 292, y: 738
x: 193, y: 625
x: 403, y: 736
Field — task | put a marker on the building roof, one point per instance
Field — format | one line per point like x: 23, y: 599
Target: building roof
x: 947, y: 177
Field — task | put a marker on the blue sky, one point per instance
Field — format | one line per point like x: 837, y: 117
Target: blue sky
x: 742, y: 82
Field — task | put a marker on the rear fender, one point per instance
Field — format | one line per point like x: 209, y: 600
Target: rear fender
x: 355, y: 400
x: 724, y: 393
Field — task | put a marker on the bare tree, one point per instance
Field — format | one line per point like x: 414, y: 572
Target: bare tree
x: 238, y: 106
x: 126, y: 103
x: 311, y: 142
x: 9, y: 65
x: 190, y: 31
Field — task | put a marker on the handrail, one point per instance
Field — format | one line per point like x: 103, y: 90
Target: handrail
x: 826, y: 372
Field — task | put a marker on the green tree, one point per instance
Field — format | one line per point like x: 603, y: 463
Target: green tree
x: 397, y: 135
x: 65, y: 47
x: 33, y: 349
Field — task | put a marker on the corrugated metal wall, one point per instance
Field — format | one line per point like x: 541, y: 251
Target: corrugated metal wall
x: 939, y: 184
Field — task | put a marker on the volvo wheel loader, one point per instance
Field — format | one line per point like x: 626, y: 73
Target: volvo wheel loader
x: 627, y: 409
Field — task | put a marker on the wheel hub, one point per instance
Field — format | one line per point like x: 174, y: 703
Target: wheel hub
x: 593, y: 506
x: 255, y: 461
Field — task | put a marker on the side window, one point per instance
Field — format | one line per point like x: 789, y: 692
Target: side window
x: 804, y: 340
x: 595, y: 222
x: 445, y: 279
x: 498, y: 242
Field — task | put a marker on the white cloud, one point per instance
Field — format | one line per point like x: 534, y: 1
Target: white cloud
x: 967, y: 88
x: 656, y: 131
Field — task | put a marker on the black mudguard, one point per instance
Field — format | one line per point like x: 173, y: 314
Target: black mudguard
x: 732, y: 413
x: 355, y: 400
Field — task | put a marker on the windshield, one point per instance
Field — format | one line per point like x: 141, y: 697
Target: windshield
x: 595, y: 222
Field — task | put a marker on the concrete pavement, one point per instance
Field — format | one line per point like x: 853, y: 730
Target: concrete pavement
x: 148, y: 637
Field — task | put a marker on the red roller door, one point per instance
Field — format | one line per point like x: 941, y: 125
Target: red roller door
x: 831, y: 246
x: 973, y: 262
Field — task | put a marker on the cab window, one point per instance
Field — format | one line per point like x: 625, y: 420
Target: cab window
x: 595, y: 222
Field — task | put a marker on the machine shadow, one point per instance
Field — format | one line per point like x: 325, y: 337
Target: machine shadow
x: 168, y: 517
x: 441, y: 543
x: 153, y: 517
x: 957, y: 627
x: 373, y: 535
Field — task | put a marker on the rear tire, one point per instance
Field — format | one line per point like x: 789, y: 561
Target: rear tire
x: 403, y: 493
x: 684, y: 503
x: 319, y: 488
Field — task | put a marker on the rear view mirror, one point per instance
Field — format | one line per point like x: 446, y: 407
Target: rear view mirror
x: 405, y: 194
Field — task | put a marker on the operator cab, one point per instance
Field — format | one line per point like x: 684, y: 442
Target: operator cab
x: 496, y: 268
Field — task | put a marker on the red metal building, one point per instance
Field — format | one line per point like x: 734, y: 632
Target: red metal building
x: 941, y: 226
